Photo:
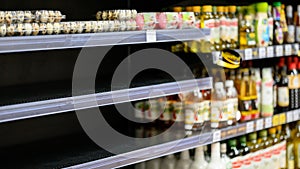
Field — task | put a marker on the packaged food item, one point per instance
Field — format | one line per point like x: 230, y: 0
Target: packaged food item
x: 58, y: 16
x: 28, y: 29
x: 28, y: 17
x: 35, y: 29
x: 66, y: 27
x: 100, y: 26
x: 20, y: 29
x: 56, y: 28
x: 117, y: 25
x: 44, y: 16
x: 51, y: 17
x: 43, y: 28
x: 49, y: 28
x: 146, y: 21
x: 105, y: 26
x: 20, y: 16
x: 111, y: 26
x: 80, y: 27
x: 173, y: 20
x: 122, y: 26
x: 2, y: 16
x: 11, y: 29
x: 94, y: 26
x: 2, y: 30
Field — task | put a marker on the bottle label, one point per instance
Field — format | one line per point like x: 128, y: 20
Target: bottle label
x: 293, y: 82
x: 262, y: 32
x: 283, y: 96
x: 206, y: 110
x: 178, y: 114
x: 210, y: 23
x: 138, y: 111
x: 275, y: 102
x: 271, y: 27
x: 290, y: 158
x: 291, y: 34
x: 223, y: 28
x: 267, y: 99
x: 283, y: 155
x: 165, y: 110
x: 217, y: 111
x: 189, y: 116
x: 245, y: 107
x: 298, y: 34
x: 216, y: 32
x: 279, y: 35
x: 234, y: 29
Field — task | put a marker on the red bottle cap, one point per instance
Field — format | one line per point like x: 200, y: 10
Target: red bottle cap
x: 296, y: 59
x: 292, y: 66
x: 289, y: 60
x: 298, y: 66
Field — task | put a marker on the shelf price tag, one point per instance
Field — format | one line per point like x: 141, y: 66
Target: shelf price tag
x: 289, y: 116
x: 151, y: 35
x: 250, y: 127
x: 268, y: 122
x: 296, y: 115
x: 282, y: 118
x: 262, y: 52
x: 216, y: 56
x: 259, y: 124
x: 279, y: 50
x: 288, y: 50
x: 275, y: 120
x: 248, y: 54
x: 270, y: 51
x: 217, y: 136
x: 296, y: 49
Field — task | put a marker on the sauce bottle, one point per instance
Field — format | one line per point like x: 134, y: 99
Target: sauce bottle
x: 218, y: 111
x: 267, y: 108
x: 278, y: 32
x: 270, y: 25
x: 231, y: 102
x: 216, y: 30
x: 283, y: 22
x: 283, y: 92
x: 247, y: 33
x: 223, y: 27
x: 245, y: 99
x: 290, y: 38
x: 293, y: 86
x: 261, y: 25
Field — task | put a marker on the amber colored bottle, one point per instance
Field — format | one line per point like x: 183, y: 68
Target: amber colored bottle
x: 245, y: 99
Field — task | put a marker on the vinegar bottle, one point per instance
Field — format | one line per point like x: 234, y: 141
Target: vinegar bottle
x: 218, y: 113
x: 231, y: 102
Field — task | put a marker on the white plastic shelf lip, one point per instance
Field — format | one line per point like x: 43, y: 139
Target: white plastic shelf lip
x: 55, y: 106
x: 65, y: 41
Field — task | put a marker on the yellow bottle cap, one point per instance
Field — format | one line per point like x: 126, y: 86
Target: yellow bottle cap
x: 279, y: 128
x: 177, y: 9
x: 207, y: 8
x: 232, y: 9
x: 225, y: 9
x: 189, y: 8
x: 196, y: 8
x: 220, y: 8
x: 272, y: 130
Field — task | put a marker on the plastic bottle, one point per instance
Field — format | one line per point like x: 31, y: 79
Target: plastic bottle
x: 278, y: 32
x: 199, y: 162
x: 231, y: 102
x: 270, y: 25
x: 233, y: 27
x: 267, y: 108
x: 169, y: 162
x: 207, y: 21
x: 283, y: 92
x: 228, y: 23
x: 218, y: 116
x: 290, y: 38
x: 245, y: 99
x: 215, y: 158
x: 216, y: 30
x: 247, y: 33
x: 261, y: 25
x: 283, y: 22
x: 223, y: 27
x: 293, y: 86
x: 184, y: 162
x: 153, y: 164
x: 224, y: 158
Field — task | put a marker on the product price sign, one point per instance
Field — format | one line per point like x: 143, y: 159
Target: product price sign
x: 250, y: 127
x: 262, y: 52
x: 288, y: 50
x: 217, y: 136
x: 248, y: 54
x: 270, y: 51
x: 259, y: 124
x: 275, y: 120
x: 279, y: 50
x: 282, y: 118
x: 296, y: 115
x: 268, y: 122
x: 289, y: 116
x: 151, y: 35
x: 216, y: 56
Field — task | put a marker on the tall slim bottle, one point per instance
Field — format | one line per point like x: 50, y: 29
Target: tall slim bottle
x: 293, y: 86
x: 218, y: 116
x: 290, y: 156
x: 233, y: 27
x: 215, y: 158
x: 223, y: 27
x: 199, y: 162
x: 278, y: 32
x: 231, y: 102
x: 283, y: 22
x: 207, y: 21
x: 290, y: 38
x: 261, y: 25
x: 283, y: 92
x: 224, y: 158
x: 298, y: 25
x: 270, y: 25
x: 267, y: 108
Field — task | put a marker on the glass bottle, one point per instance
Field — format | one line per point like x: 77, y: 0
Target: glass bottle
x: 169, y: 162
x: 283, y: 22
x: 224, y: 158
x: 252, y: 142
x: 247, y: 33
x: 270, y: 25
x: 290, y: 156
x: 263, y: 139
x: 278, y: 32
x: 272, y: 136
x: 245, y: 99
x: 267, y: 108
x: 243, y: 148
x: 218, y: 116
x: 290, y: 38
x: 216, y: 30
x: 207, y: 21
x: 261, y: 24
x: 233, y: 27
x: 232, y: 151
x: 298, y: 25
x: 185, y: 161
x: 228, y: 25
x: 223, y: 27
x: 231, y: 102
x: 283, y: 92
x: 293, y: 86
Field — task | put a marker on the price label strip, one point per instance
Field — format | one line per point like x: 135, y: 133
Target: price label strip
x: 259, y: 124
x: 296, y: 115
x: 279, y: 51
x: 289, y: 116
x: 282, y: 118
x: 262, y: 52
x: 151, y: 36
x: 216, y: 56
x: 296, y: 49
x: 250, y: 127
x: 268, y: 122
x: 217, y: 136
x: 288, y: 50
x: 248, y: 54
x: 275, y: 120
x: 270, y: 51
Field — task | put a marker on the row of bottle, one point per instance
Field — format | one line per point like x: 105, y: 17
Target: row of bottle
x: 243, y: 27
x: 267, y: 149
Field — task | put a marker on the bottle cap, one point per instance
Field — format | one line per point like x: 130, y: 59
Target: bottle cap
x: 229, y: 83
x: 251, y: 9
x: 252, y: 136
x: 189, y: 8
x: 207, y: 8
x: 196, y: 9
x: 242, y: 139
x: 263, y: 133
x: 232, y: 143
x: 262, y: 7
x: 219, y: 85
x: 277, y: 4
x: 279, y: 128
x: 292, y: 66
x: 232, y: 9
x: 223, y: 148
x: 220, y: 8
x: 295, y: 59
x: 272, y: 130
x: 289, y: 11
x: 177, y: 9
x: 225, y: 9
